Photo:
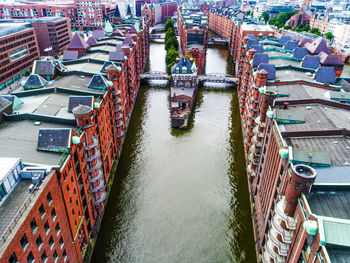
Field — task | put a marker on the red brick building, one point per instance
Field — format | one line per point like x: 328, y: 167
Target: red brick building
x: 77, y: 143
x: 18, y: 49
x: 193, y: 32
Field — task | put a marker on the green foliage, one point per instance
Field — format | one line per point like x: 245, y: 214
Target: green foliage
x: 172, y: 43
x: 329, y: 35
x: 170, y: 33
x: 282, y: 18
x: 287, y: 27
x: 170, y: 58
x: 248, y: 13
x: 169, y: 24
x: 56, y: 56
x: 264, y: 16
x: 307, y: 28
x: 315, y: 31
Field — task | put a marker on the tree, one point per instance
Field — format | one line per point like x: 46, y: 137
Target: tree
x: 282, y: 18
x: 56, y: 56
x: 307, y: 28
x: 169, y: 34
x: 287, y: 27
x: 248, y: 13
x: 315, y: 31
x: 170, y: 58
x: 329, y: 35
x: 265, y: 16
x: 172, y: 43
x: 169, y: 24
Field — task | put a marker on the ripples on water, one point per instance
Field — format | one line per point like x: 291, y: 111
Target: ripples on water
x: 180, y: 196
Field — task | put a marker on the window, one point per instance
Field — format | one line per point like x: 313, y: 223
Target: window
x: 39, y: 242
x: 57, y: 228
x: 61, y: 242
x: 33, y: 225
x: 42, y: 210
x: 13, y: 258
x: 55, y: 256
x: 47, y: 227
x: 64, y: 255
x: 18, y: 53
x: 30, y: 257
x: 53, y: 214
x: 51, y: 243
x: 49, y: 198
x: 44, y: 257
x: 24, y: 242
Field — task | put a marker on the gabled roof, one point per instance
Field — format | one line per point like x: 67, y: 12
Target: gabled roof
x: 99, y: 82
x: 91, y: 41
x: 54, y: 140
x: 299, y: 52
x: 69, y: 54
x: 291, y: 45
x: 108, y: 27
x: 117, y: 32
x: 329, y: 59
x: 184, y: 66
x: 258, y: 48
x: 78, y: 42
x: 260, y: 58
x: 312, y: 62
x: 43, y: 67
x: 133, y: 30
x: 98, y: 34
x: 270, y: 68
x: 317, y: 46
x: 75, y: 101
x: 284, y: 39
x: 128, y: 40
x: 4, y: 103
x: 35, y: 81
x: 106, y: 64
x: 325, y: 74
x: 116, y: 56
x: 252, y: 42
x: 16, y: 102
x: 304, y: 41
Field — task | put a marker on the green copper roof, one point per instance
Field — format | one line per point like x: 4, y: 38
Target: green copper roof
x: 280, y: 90
x: 334, y: 231
x: 108, y: 27
x: 311, y: 227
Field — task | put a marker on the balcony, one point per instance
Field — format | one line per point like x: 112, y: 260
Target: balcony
x: 276, y: 225
x: 259, y: 122
x: 253, y: 100
x: 121, y: 123
x: 97, y: 166
x: 118, y: 108
x: 253, y: 159
x: 269, y: 247
x: 251, y: 170
x: 280, y: 211
x: 120, y: 134
x: 118, y: 116
x: 117, y: 101
x: 101, y: 184
x: 116, y: 93
x: 252, y: 108
x: 100, y: 199
x: 282, y: 248
x: 94, y: 156
x: 257, y: 132
x: 97, y: 177
x: 94, y: 143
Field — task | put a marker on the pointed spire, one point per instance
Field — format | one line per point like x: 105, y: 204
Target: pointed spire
x: 78, y: 42
x: 108, y: 27
x: 128, y: 40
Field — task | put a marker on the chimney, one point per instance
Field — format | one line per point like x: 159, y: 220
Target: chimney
x: 303, y: 176
x: 267, y: 100
x: 261, y: 78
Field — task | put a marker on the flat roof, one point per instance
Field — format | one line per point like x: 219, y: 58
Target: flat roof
x: 51, y: 104
x: 338, y: 254
x: 19, y: 140
x: 283, y: 62
x: 253, y: 27
x: 330, y: 203
x: 90, y: 67
x: 98, y: 55
x: 292, y: 74
x: 104, y: 47
x: 76, y: 82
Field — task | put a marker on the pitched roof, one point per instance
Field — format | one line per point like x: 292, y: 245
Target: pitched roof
x: 55, y: 140
x: 270, y: 68
x: 329, y: 59
x: 98, y: 34
x: 133, y: 30
x: 299, y: 52
x: 345, y: 84
x: 291, y: 45
x: 284, y: 39
x: 16, y: 102
x: 258, y: 48
x: 35, y: 81
x: 4, y: 103
x: 116, y: 56
x: 108, y: 27
x: 128, y: 40
x: 70, y: 54
x: 184, y: 66
x: 325, y: 74
x: 117, y: 32
x: 99, y: 82
x: 81, y: 109
x: 312, y: 62
x: 78, y: 42
x: 317, y: 46
x: 75, y: 101
x: 260, y: 58
x: 44, y: 67
x: 252, y: 42
x: 304, y: 41
x: 107, y: 63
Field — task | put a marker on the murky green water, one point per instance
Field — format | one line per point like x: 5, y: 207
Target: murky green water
x: 180, y: 196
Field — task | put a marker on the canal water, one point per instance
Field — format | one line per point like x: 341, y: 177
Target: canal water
x: 180, y: 196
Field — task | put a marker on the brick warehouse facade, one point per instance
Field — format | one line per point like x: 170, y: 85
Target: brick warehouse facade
x: 193, y: 32
x: 18, y: 49
x: 295, y: 148
x: 76, y: 149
